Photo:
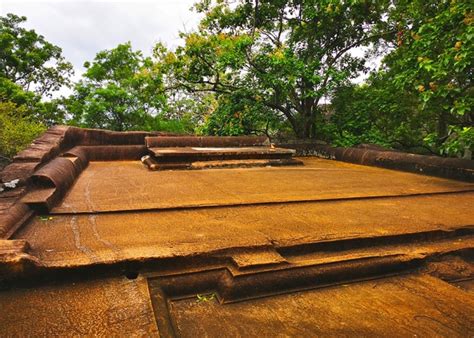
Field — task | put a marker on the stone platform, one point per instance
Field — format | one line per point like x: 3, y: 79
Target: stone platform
x: 201, y: 152
x: 97, y: 244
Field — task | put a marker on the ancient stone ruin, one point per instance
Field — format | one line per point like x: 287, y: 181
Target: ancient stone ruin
x: 118, y: 234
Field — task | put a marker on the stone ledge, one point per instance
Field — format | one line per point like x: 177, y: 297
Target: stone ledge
x: 459, y: 169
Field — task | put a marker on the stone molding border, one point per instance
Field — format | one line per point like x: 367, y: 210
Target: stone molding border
x: 44, y: 163
x: 452, y: 168
x: 81, y: 145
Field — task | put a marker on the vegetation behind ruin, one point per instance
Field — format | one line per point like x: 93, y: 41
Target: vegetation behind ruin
x: 286, y: 69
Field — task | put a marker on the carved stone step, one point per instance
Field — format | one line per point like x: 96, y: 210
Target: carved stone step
x: 152, y: 164
x: 208, y: 153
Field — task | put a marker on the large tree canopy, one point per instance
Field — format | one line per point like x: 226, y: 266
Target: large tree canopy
x: 278, y: 67
x: 434, y: 56
x: 28, y: 60
x: 119, y: 91
x: 423, y: 93
x: 282, y: 56
x: 31, y: 70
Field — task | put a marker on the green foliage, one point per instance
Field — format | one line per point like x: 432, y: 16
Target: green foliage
x: 264, y: 67
x: 434, y: 57
x: 119, y: 91
x: 46, y: 112
x: 191, y: 109
x: 283, y: 57
x: 28, y: 60
x: 183, y: 125
x: 10, y: 91
x: 237, y: 115
x: 205, y: 298
x: 460, y: 140
x: 17, y: 129
x: 377, y: 113
x: 31, y: 69
x: 423, y: 95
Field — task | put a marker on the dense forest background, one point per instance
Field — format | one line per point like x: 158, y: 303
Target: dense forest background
x: 284, y: 68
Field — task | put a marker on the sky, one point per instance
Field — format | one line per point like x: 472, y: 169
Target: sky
x: 84, y: 27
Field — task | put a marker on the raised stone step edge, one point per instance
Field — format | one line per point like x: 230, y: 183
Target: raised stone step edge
x: 206, y: 141
x: 154, y: 165
x: 452, y: 168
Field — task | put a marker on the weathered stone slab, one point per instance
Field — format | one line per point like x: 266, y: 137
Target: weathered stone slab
x: 18, y: 170
x: 454, y: 168
x: 391, y: 307
x: 12, y: 216
x: 152, y: 164
x: 198, y: 152
x: 328, y: 248
x: 206, y: 141
x: 122, y: 186
x: 98, y: 307
x: 15, y: 259
x: 82, y: 239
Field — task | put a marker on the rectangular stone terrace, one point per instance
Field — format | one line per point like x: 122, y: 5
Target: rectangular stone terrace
x: 96, y: 243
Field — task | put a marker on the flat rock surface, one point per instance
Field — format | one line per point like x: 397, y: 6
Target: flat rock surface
x: 204, y: 151
x: 82, y: 239
x: 416, y: 305
x: 105, y: 307
x: 328, y: 229
x: 119, y: 186
x: 392, y: 307
x: 210, y: 210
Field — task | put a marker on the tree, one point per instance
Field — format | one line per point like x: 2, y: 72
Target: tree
x: 119, y: 91
x: 18, y: 129
x: 28, y: 60
x: 287, y: 56
x: 46, y: 112
x: 237, y: 115
x: 376, y: 112
x: 31, y: 70
x: 193, y: 109
x: 433, y: 58
x: 422, y: 95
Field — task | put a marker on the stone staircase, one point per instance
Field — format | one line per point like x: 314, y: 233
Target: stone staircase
x: 200, y: 152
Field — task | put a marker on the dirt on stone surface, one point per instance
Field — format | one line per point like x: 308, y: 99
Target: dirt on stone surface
x: 372, y: 308
x: 323, y: 249
x: 109, y: 186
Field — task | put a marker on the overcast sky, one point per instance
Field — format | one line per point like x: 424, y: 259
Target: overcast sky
x: 84, y: 27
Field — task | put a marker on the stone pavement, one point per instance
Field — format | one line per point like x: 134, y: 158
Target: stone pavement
x: 323, y: 249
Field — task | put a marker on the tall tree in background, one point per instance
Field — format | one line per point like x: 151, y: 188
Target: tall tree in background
x: 430, y: 69
x: 434, y: 57
x: 28, y: 60
x: 119, y: 91
x: 31, y: 70
x: 283, y: 56
x: 376, y: 112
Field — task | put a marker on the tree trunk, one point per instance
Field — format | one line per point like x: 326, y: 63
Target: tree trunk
x: 307, y: 119
x: 442, y: 128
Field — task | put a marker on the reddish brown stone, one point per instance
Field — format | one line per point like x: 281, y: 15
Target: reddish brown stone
x: 206, y: 141
x: 327, y: 248
x: 454, y: 168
